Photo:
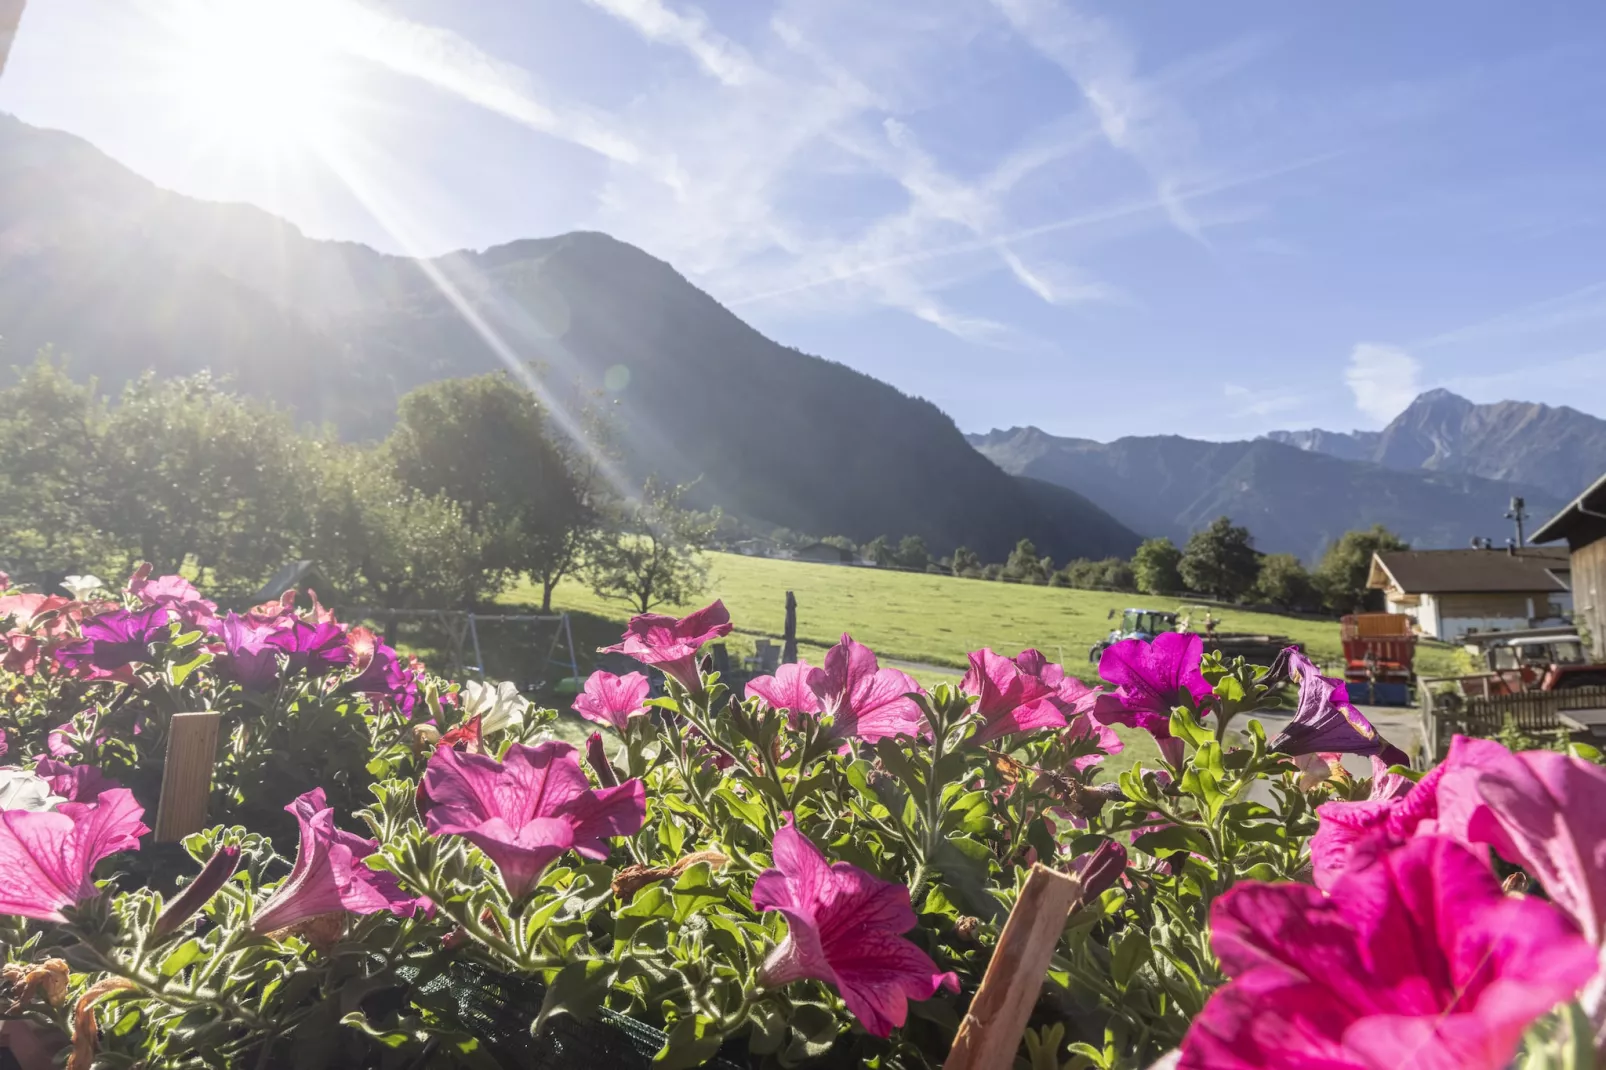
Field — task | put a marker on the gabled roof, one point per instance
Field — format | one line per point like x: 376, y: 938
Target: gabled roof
x: 1588, y: 507
x: 1455, y: 571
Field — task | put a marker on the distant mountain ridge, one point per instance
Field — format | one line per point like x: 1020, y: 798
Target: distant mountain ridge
x: 125, y: 277
x: 1293, y: 500
x: 1557, y: 448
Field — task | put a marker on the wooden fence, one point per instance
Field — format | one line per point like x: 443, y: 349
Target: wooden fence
x: 1446, y: 714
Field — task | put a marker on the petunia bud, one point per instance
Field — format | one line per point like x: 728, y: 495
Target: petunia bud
x: 597, y: 759
x: 218, y: 869
x: 1516, y: 884
x: 1100, y: 868
x: 426, y: 737
x: 1172, y: 750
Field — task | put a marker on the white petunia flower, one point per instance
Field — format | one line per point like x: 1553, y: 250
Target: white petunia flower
x: 22, y: 789
x: 498, y: 706
x: 81, y: 587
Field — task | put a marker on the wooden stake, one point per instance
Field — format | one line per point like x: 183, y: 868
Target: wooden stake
x: 996, y: 1022
x: 187, y: 776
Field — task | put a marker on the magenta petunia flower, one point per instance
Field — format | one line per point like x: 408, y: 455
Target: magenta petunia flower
x: 1390, y: 813
x: 1543, y: 811
x: 1151, y: 679
x: 380, y: 672
x: 329, y: 875
x: 787, y: 690
x: 312, y: 648
x: 75, y: 783
x: 177, y: 594
x: 528, y: 809
x: 1010, y: 696
x: 1415, y: 961
x: 48, y: 857
x: 252, y: 661
x: 863, y: 700
x: 613, y: 700
x: 843, y: 928
x: 1325, y: 719
x: 114, y: 640
x: 671, y: 645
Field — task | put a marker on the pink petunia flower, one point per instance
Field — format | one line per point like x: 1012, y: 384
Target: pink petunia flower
x: 787, y: 690
x: 177, y: 594
x: 48, y: 857
x: 528, y: 809
x: 671, y: 645
x: 613, y: 700
x: 1416, y: 961
x: 329, y: 875
x: 1010, y: 697
x: 75, y: 783
x: 1543, y: 811
x: 1152, y: 678
x: 843, y: 928
x: 863, y: 700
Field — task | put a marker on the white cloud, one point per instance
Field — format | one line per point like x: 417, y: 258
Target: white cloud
x: 717, y: 54
x: 1384, y: 379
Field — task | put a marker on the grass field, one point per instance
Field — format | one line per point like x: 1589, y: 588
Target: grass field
x: 927, y: 620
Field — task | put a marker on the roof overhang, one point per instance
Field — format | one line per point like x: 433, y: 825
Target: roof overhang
x: 1590, y: 503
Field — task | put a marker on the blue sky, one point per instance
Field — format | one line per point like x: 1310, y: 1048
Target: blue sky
x: 1102, y: 219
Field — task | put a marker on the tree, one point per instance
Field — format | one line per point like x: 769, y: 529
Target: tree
x: 1220, y: 560
x: 1284, y: 582
x: 1155, y: 567
x: 191, y: 475
x: 966, y: 562
x: 652, y: 554
x: 383, y: 544
x: 1111, y: 573
x: 912, y: 553
x: 482, y: 442
x: 1024, y: 566
x: 880, y: 552
x: 1341, y: 576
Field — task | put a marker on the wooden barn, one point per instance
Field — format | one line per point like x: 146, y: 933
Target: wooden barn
x: 1583, y: 525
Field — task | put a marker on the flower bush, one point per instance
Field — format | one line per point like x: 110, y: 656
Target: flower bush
x: 812, y: 872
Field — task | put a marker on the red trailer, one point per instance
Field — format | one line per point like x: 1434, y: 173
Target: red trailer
x: 1379, y: 648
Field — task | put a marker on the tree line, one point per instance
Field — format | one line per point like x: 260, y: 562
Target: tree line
x: 1219, y: 561
x: 473, y: 490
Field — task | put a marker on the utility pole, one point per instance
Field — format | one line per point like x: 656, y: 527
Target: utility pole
x: 10, y: 18
x: 1516, y: 514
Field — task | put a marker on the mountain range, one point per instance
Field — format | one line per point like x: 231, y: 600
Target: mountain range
x: 123, y: 277
x: 1441, y: 473
x: 1557, y: 448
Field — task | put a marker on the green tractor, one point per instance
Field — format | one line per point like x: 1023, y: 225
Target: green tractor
x: 1142, y: 624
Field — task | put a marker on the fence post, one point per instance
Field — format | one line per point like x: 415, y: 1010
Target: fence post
x: 992, y: 1029
x: 187, y: 775
x: 789, y: 636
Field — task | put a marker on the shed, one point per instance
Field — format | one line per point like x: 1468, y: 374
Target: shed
x: 1583, y: 525
x: 825, y: 553
x: 1449, y: 593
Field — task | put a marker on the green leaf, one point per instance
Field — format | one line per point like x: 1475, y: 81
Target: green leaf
x: 1128, y: 951
x: 178, y: 672
x: 1187, y: 727
x: 687, y: 1045
x: 814, y: 1031
x: 694, y: 891
x: 181, y: 956
x: 578, y: 990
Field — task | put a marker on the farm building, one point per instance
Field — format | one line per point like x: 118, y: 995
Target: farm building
x: 1450, y: 593
x: 1583, y: 525
x: 826, y: 554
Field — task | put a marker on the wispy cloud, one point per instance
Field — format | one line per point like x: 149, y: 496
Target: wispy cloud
x: 656, y: 21
x: 1384, y: 379
x: 1568, y: 309
x: 1137, y: 115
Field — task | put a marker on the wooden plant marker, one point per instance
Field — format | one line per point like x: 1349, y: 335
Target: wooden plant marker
x: 187, y: 775
x: 993, y: 1027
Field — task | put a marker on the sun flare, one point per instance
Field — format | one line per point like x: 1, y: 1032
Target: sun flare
x: 259, y: 79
